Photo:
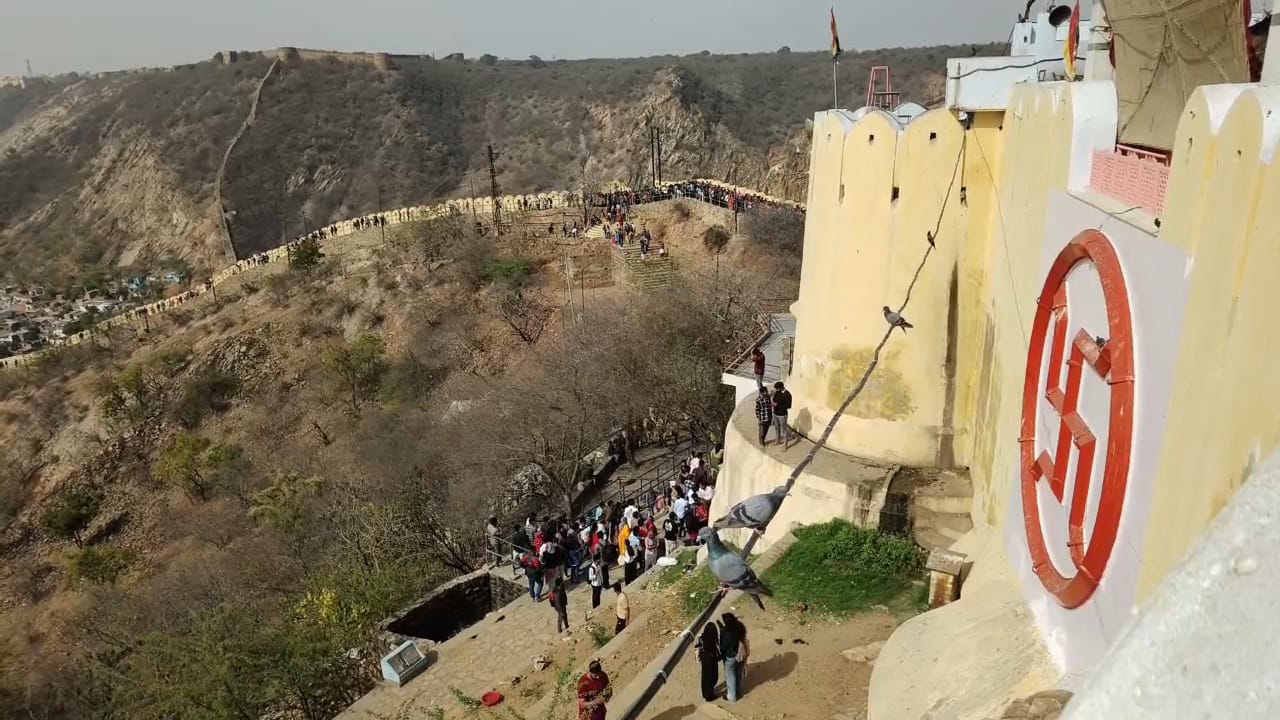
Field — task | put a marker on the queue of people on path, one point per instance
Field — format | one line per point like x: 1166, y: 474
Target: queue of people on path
x: 621, y: 536
x: 615, y: 538
x: 701, y: 190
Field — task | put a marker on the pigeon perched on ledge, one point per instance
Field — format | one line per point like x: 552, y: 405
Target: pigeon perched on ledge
x: 755, y: 512
x: 896, y: 320
x: 730, y: 569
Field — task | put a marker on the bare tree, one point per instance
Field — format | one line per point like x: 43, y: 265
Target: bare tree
x: 524, y: 314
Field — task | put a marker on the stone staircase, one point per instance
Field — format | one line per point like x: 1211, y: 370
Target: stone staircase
x: 936, y: 503
x: 645, y: 273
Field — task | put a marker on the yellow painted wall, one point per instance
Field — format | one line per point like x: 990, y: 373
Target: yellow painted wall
x: 862, y: 249
x: 1025, y: 167
x: 1222, y: 415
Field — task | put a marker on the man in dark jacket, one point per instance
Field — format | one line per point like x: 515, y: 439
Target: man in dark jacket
x: 764, y: 413
x: 781, y: 406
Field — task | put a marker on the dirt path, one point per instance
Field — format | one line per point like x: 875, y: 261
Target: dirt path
x: 796, y: 669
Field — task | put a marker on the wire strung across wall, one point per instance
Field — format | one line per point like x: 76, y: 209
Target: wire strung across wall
x: 687, y: 636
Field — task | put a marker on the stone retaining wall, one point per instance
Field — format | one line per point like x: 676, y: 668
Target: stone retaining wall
x: 454, y: 606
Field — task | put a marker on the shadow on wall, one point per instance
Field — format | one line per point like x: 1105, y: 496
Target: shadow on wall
x: 803, y: 423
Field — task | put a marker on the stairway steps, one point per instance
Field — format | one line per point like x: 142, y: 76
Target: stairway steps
x: 934, y: 530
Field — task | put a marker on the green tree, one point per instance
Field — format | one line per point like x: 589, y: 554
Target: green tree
x: 358, y: 367
x: 127, y: 398
x: 487, y: 59
x: 281, y: 504
x: 715, y: 239
x: 307, y: 255
x: 72, y: 514
x: 196, y: 466
x: 100, y: 565
x: 210, y: 392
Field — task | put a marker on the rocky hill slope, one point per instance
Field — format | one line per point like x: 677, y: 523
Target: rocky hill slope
x: 100, y: 174
x: 203, y: 516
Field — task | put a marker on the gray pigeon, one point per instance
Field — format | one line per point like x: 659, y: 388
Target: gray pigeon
x: 755, y: 512
x: 896, y: 320
x: 730, y: 569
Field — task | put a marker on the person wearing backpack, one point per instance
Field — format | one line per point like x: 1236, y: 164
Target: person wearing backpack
x: 596, y: 579
x: 670, y: 534
x: 734, y: 651
x: 533, y: 573
x: 560, y: 603
x: 551, y: 557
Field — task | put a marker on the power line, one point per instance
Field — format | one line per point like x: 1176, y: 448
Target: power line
x: 1011, y: 66
x: 687, y: 636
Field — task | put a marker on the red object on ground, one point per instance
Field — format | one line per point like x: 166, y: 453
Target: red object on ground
x: 491, y: 698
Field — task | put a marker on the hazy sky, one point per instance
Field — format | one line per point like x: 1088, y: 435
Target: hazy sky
x: 64, y: 35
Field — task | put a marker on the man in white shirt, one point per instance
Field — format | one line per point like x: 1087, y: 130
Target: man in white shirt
x: 680, y: 509
x: 491, y: 539
x: 706, y: 492
x: 630, y: 513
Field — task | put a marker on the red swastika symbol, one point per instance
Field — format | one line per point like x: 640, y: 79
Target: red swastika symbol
x: 1113, y: 362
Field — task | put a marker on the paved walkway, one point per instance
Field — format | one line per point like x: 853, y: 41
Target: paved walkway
x: 498, y: 647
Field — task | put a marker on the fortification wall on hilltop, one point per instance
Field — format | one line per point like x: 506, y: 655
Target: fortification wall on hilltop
x: 334, y: 231
x: 380, y: 60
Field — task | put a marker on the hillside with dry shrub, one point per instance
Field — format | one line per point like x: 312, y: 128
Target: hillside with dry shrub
x: 119, y: 172
x: 208, y: 516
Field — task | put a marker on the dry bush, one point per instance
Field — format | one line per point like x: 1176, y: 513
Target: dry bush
x: 680, y: 211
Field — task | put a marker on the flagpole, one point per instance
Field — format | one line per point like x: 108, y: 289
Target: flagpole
x: 835, y: 95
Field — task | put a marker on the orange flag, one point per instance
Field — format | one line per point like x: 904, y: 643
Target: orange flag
x: 1073, y: 42
x: 835, y: 37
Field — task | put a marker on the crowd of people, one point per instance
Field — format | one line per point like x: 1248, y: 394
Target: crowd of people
x: 612, y: 545
x: 700, y: 190
x: 615, y: 537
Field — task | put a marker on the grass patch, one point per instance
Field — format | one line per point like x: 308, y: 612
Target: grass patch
x: 599, y: 635
x: 513, y: 271
x: 698, y: 589
x: 695, y: 587
x: 837, y: 568
x: 669, y: 576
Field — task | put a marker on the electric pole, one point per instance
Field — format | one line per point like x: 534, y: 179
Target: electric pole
x: 653, y: 154
x: 29, y: 73
x: 473, y: 200
x: 493, y: 190
x: 382, y: 226
x: 657, y: 155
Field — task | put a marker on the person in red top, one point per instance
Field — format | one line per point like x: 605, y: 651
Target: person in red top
x: 757, y: 365
x: 537, y: 542
x: 593, y: 692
